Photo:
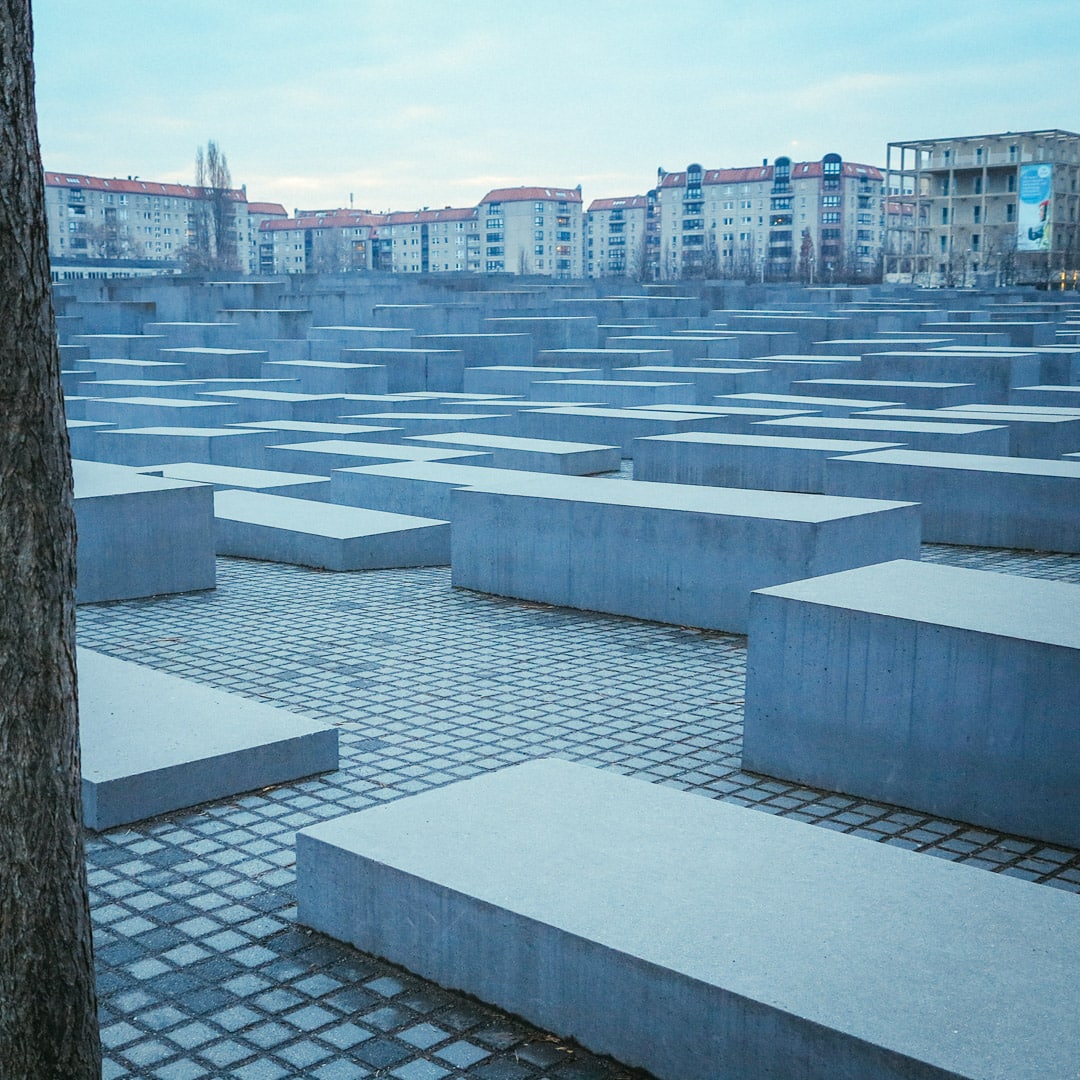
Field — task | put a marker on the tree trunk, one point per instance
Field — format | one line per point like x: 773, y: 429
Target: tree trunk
x: 48, y: 1025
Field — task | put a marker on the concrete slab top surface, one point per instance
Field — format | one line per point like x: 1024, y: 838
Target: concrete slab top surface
x: 230, y: 475
x: 397, y: 416
x: 1054, y: 411
x: 206, y: 351
x: 990, y: 463
x: 749, y: 411
x: 859, y: 937
x: 319, y: 365
x: 725, y: 438
x: 134, y: 719
x: 795, y: 399
x: 966, y: 416
x: 95, y: 479
x: 686, y: 498
x: 510, y: 442
x: 1026, y: 609
x: 644, y: 412
x: 180, y: 404
x: 193, y: 432
x: 352, y: 448
x: 900, y: 384
x: 316, y: 518
x: 270, y: 395
x: 606, y: 383
x: 899, y: 426
x: 312, y: 425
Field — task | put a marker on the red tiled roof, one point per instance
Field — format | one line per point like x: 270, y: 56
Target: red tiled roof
x: 267, y: 208
x: 623, y: 202
x: 132, y: 187
x: 337, y: 219
x: 412, y: 217
x: 531, y: 194
x: 799, y: 170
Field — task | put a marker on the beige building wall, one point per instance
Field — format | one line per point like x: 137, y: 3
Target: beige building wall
x: 532, y: 230
x: 616, y: 238
x: 985, y: 209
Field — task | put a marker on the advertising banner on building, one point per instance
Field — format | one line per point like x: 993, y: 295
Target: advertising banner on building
x: 1033, y: 218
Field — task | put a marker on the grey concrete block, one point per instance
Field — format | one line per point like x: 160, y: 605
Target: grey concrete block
x: 720, y: 459
x: 254, y: 525
x: 957, y: 438
x: 702, y: 939
x: 949, y: 690
x: 331, y: 377
x: 138, y: 412
x: 618, y: 394
x: 915, y: 394
x: 139, y: 447
x: 227, y: 477
x: 533, y: 455
x: 668, y: 552
x: 153, y: 743
x: 323, y: 457
x: 978, y: 499
x: 140, y: 535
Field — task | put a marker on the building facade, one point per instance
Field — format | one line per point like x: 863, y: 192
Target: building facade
x: 984, y: 209
x: 100, y: 220
x: 814, y: 220
x: 432, y: 241
x: 532, y: 230
x: 320, y: 241
x: 617, y: 237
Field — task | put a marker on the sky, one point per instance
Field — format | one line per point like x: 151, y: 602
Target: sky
x: 387, y: 105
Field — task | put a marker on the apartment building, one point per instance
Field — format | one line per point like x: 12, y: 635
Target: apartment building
x: 982, y: 209
x: 818, y: 220
x: 617, y: 235
x: 432, y: 241
x: 320, y: 241
x: 532, y: 230
x: 104, y: 219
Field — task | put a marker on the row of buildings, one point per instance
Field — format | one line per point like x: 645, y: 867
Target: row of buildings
x: 947, y: 211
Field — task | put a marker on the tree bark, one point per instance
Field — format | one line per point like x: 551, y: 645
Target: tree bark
x: 48, y: 1024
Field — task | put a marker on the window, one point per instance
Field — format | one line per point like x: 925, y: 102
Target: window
x: 830, y: 200
x: 1010, y: 211
x: 1011, y: 185
x: 978, y: 185
x: 831, y: 218
x: 977, y: 212
x: 538, y: 220
x: 538, y: 249
x: 974, y: 241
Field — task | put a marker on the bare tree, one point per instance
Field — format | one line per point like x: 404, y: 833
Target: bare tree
x: 48, y: 1024
x: 806, y: 258
x: 213, y: 245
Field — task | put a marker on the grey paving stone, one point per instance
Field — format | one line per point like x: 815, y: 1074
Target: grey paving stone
x: 426, y: 684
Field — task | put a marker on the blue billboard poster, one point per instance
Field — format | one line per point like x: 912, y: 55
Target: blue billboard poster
x: 1033, y: 218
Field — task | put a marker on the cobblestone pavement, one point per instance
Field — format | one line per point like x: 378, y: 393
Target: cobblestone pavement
x: 202, y: 970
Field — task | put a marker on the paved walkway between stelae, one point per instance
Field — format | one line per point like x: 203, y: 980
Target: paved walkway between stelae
x: 202, y: 970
